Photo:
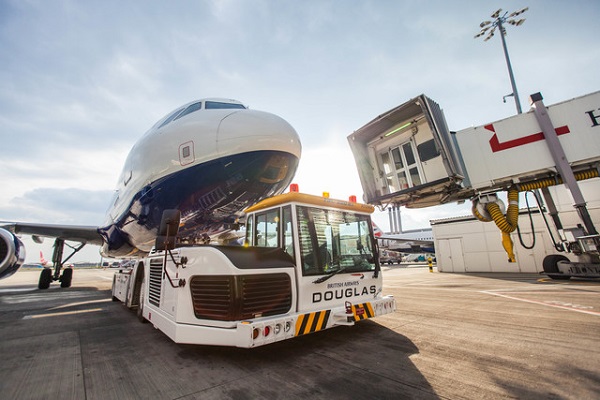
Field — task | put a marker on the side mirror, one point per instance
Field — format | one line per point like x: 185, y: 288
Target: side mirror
x: 165, y: 242
x: 168, y: 230
x: 169, y: 223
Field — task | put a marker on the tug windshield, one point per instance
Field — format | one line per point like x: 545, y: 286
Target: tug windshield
x: 332, y: 240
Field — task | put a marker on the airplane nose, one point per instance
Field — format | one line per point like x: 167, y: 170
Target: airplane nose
x: 252, y: 130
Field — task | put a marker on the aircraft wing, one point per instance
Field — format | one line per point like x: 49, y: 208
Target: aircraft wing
x: 75, y: 233
x: 406, y: 240
x: 408, y: 245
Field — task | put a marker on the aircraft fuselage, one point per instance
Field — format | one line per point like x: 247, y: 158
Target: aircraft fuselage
x: 209, y: 163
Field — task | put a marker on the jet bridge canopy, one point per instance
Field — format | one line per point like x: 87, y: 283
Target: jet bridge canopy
x: 406, y: 156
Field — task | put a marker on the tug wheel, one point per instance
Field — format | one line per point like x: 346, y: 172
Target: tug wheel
x: 550, y: 265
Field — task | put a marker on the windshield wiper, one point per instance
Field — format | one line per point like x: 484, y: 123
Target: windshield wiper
x: 329, y: 275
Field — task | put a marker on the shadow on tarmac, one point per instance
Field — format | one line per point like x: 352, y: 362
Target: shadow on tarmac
x: 93, y: 347
x: 364, y: 361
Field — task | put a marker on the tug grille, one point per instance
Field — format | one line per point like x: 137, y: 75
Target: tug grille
x: 234, y: 298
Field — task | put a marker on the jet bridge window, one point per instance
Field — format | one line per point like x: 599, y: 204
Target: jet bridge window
x: 401, y: 167
x: 427, y: 150
x: 332, y: 240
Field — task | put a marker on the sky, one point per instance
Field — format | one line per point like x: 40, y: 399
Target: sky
x: 80, y: 82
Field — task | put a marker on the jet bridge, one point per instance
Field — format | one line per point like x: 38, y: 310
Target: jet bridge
x: 513, y: 150
x: 407, y: 156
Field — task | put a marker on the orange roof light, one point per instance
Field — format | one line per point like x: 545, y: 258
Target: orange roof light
x: 352, y: 199
x: 294, y: 188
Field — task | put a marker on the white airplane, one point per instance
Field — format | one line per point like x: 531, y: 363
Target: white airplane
x: 210, y: 159
x: 412, y: 241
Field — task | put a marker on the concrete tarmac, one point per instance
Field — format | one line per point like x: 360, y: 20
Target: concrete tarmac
x: 454, y: 336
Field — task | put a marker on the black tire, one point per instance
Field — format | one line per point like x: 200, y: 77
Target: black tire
x: 140, y: 309
x: 45, y: 278
x: 66, y: 278
x: 550, y: 265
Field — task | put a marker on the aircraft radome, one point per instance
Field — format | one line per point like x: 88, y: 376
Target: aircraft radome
x: 210, y: 159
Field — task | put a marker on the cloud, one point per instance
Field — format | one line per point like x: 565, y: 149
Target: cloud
x: 82, y: 81
x: 66, y: 206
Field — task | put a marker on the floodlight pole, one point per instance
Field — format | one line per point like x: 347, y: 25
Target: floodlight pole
x: 488, y: 27
x: 510, y: 71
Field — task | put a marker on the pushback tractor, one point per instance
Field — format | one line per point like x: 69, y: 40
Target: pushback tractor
x: 308, y: 263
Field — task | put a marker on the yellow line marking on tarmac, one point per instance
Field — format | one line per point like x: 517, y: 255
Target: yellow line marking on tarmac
x: 584, y: 281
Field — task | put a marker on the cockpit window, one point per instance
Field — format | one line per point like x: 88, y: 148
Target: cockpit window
x: 190, y: 109
x: 216, y: 105
x: 170, y: 118
x: 208, y: 105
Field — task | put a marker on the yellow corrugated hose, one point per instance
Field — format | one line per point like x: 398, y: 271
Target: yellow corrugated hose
x: 508, y: 223
x: 542, y: 183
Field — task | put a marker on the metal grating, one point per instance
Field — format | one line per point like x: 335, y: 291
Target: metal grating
x: 155, y: 281
x: 233, y: 298
x: 212, y: 297
x: 264, y: 295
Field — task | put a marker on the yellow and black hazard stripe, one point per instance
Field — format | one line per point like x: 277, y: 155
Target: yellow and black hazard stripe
x: 313, y: 322
x: 362, y: 311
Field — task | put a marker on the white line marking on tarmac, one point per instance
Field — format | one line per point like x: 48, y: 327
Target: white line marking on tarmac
x: 27, y: 289
x: 547, y: 304
x: 81, y: 303
x: 61, y: 313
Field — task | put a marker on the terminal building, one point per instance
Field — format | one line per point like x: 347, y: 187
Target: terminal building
x: 465, y: 244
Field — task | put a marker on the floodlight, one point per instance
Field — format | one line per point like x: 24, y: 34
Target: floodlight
x: 498, y: 23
